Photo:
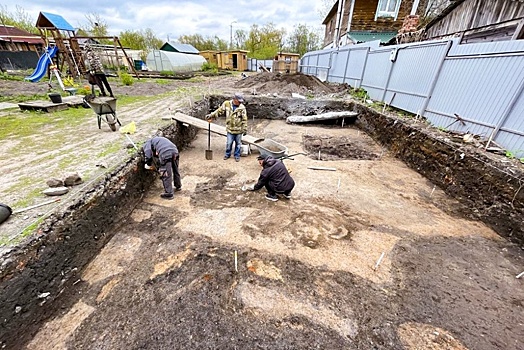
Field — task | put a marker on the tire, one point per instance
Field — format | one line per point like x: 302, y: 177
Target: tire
x: 110, y: 118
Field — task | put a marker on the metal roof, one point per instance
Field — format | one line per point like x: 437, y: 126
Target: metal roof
x: 17, y: 35
x: 178, y: 47
x: 50, y: 20
x: 362, y: 37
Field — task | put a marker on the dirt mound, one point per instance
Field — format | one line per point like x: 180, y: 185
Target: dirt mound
x: 268, y: 82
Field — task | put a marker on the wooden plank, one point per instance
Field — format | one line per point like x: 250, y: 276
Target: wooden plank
x: 215, y: 128
x: 46, y: 106
x: 74, y: 100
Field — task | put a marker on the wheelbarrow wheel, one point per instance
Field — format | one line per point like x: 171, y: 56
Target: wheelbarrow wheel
x: 111, y: 121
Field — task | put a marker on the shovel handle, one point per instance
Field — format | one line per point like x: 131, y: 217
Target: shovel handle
x: 209, y: 136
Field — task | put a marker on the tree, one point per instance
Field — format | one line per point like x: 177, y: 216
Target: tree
x: 95, y: 27
x: 264, y: 43
x: 203, y: 44
x: 240, y: 38
x: 19, y: 19
x: 303, y: 39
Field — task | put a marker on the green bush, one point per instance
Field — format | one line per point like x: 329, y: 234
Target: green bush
x: 209, y: 67
x: 126, y: 79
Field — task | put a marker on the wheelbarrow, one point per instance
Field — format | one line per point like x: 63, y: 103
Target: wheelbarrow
x: 104, y: 107
x: 274, y: 149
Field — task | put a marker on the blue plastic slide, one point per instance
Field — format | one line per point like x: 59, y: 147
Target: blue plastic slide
x: 43, y: 62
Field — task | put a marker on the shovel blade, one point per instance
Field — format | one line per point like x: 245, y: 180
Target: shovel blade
x: 209, y: 154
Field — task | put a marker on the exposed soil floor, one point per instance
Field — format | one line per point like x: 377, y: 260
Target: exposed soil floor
x: 368, y: 256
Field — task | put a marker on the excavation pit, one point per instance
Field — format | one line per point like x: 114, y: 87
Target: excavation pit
x: 348, y: 262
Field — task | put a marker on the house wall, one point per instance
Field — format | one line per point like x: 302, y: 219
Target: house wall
x: 364, y: 18
x: 473, y: 14
x: 210, y: 56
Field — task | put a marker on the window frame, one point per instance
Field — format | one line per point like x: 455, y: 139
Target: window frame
x: 387, y: 14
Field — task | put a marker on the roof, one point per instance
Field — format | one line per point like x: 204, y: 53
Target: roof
x: 178, y: 47
x: 362, y: 37
x: 445, y: 12
x: 331, y: 13
x: 50, y: 20
x: 17, y: 35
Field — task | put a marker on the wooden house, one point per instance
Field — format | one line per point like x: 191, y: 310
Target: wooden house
x: 19, y: 49
x: 211, y: 56
x: 479, y: 21
x: 16, y: 39
x: 285, y: 62
x: 233, y: 60
x: 356, y: 21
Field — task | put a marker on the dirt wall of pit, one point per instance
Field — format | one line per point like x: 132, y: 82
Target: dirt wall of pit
x: 35, y: 275
x: 488, y: 189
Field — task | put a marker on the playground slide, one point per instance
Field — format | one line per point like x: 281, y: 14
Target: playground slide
x: 43, y: 62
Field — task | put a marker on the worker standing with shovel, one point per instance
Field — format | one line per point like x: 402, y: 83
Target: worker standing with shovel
x: 236, y: 123
x: 168, y: 156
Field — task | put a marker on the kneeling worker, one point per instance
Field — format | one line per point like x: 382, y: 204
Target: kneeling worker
x: 167, y: 154
x: 274, y: 177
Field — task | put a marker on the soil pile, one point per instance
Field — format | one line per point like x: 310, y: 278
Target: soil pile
x: 267, y: 82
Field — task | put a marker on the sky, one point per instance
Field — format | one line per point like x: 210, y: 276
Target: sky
x: 170, y: 19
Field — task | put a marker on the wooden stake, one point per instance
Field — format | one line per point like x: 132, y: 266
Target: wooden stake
x: 379, y: 260
x: 236, y: 261
x: 321, y: 168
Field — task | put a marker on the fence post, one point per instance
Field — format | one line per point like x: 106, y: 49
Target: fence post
x: 435, y: 79
x: 506, y: 114
x: 346, y: 67
x: 383, y: 98
x: 363, y: 69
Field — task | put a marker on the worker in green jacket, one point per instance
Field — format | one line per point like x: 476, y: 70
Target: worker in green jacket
x: 236, y: 123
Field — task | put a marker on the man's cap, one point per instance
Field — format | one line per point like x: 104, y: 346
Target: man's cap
x: 238, y: 96
x: 262, y: 157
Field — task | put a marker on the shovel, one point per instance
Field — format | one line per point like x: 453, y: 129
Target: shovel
x: 209, y: 151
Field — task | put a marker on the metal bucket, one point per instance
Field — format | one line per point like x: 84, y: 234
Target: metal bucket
x: 55, y: 98
x: 5, y: 212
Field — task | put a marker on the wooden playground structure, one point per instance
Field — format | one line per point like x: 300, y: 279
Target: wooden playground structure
x: 70, y: 47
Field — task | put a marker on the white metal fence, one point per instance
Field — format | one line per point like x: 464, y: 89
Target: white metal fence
x: 476, y: 88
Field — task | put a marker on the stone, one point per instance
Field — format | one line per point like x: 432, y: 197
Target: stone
x: 54, y: 182
x: 73, y: 179
x: 56, y: 191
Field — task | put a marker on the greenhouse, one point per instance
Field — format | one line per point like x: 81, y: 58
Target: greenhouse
x: 158, y: 60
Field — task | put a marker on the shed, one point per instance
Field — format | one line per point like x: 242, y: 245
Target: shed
x: 158, y: 60
x: 233, y: 60
x: 286, y: 62
x: 211, y: 56
x: 178, y: 47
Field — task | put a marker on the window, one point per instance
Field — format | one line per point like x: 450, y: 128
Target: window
x: 387, y: 8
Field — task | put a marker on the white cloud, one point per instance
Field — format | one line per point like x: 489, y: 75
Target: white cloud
x: 175, y: 18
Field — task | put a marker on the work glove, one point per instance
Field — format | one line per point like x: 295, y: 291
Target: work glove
x: 148, y: 167
x: 244, y: 133
x: 208, y: 118
x: 248, y: 188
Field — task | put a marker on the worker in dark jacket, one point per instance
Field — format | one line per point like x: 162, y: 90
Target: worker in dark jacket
x: 167, y: 154
x: 274, y: 177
